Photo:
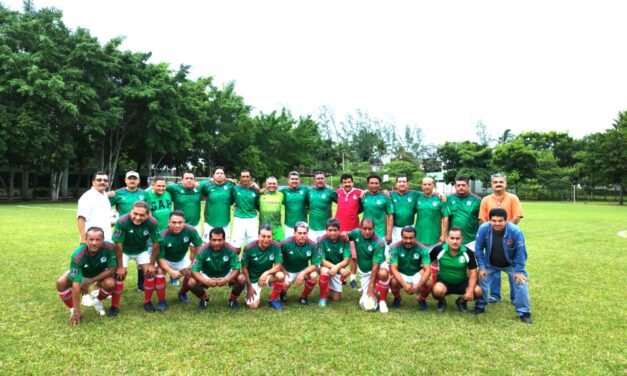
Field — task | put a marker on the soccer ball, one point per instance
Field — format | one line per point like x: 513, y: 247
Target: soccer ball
x: 367, y: 303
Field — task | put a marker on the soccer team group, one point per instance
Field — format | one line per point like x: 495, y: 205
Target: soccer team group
x: 421, y: 242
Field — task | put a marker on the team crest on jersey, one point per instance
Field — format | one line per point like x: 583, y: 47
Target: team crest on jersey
x: 462, y: 260
x: 146, y: 232
x: 254, y: 194
x: 226, y: 188
x: 468, y: 203
x: 378, y: 202
x: 225, y: 258
x: 435, y: 204
x: 308, y: 253
x: 185, y: 239
x: 103, y: 259
x: 324, y: 196
x: 271, y: 257
x: 408, y: 199
x: 169, y: 244
x: 208, y: 259
x: 141, y: 197
x: 510, y: 243
x: 416, y: 256
x: 355, y: 197
x: 370, y: 248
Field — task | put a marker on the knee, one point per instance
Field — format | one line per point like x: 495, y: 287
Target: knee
x: 279, y: 276
x: 108, y: 284
x: 383, y: 275
x: 313, y: 276
x: 63, y: 283
x: 394, y: 283
x: 192, y: 282
x: 439, y: 290
x: 478, y: 292
x: 324, y: 271
x: 241, y: 280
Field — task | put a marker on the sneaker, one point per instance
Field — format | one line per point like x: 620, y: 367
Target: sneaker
x: 175, y: 282
x: 396, y: 303
x: 148, y: 307
x: 344, y: 283
x: 322, y: 302
x: 493, y: 300
x: 422, y: 305
x: 383, y: 306
x: 461, y: 304
x: 203, y: 304
x: 99, y: 307
x: 113, y: 311
x: 162, y: 306
x: 477, y: 311
x: 441, y: 307
x: 233, y: 304
x: 303, y: 301
x: 275, y: 304
x: 353, y: 284
x: 283, y: 296
x: 183, y: 298
x: 526, y: 318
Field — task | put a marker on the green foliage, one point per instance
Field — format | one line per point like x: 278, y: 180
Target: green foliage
x: 465, y: 158
x: 515, y: 157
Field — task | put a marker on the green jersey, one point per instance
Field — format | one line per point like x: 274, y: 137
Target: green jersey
x: 369, y: 251
x: 464, y: 213
x: 320, y: 201
x: 85, y: 265
x: 333, y: 252
x: 453, y: 268
x: 218, y: 204
x: 216, y: 264
x: 404, y: 207
x: 270, y: 208
x: 160, y: 208
x: 187, y: 200
x: 124, y: 199
x: 246, y: 201
x: 298, y: 257
x: 295, y: 201
x: 376, y: 207
x: 135, y: 238
x: 428, y: 221
x: 174, y: 247
x: 259, y: 261
x: 409, y: 260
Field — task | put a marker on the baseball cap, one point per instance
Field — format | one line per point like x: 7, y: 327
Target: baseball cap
x: 132, y: 173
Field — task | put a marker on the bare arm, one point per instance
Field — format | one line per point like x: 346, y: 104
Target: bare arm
x: 443, y: 229
x: 80, y: 222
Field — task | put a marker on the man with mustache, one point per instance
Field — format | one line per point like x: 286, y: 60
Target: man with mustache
x: 94, y: 209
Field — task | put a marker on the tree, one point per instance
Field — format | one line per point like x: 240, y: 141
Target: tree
x: 516, y: 159
x: 465, y: 158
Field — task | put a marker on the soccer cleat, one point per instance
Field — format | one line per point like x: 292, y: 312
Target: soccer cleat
x: 396, y: 303
x: 422, y: 305
x: 344, y: 283
x: 203, y: 304
x: 353, y: 284
x: 99, y: 307
x: 441, y: 307
x: 148, y: 307
x: 303, y: 301
x: 477, y: 311
x: 322, y: 302
x: 233, y: 304
x: 175, y: 282
x: 162, y: 306
x: 113, y: 311
x: 461, y: 304
x: 283, y: 296
x: 275, y: 304
x: 526, y: 318
x: 383, y: 306
x: 183, y: 298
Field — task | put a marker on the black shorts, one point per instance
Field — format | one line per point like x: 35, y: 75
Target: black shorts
x: 455, y: 288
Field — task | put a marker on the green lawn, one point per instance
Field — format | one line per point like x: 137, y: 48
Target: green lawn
x: 577, y: 271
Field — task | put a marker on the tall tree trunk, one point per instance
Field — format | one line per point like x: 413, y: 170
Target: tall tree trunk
x: 11, y: 178
x: 55, y: 184
x: 149, y: 163
x: 622, y: 195
x: 64, y: 181
x: 26, y: 195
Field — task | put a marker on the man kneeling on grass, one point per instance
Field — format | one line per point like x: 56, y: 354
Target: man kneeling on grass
x: 335, y: 255
x: 261, y: 266
x: 93, y: 262
x: 457, y: 274
x: 301, y: 261
x: 216, y: 264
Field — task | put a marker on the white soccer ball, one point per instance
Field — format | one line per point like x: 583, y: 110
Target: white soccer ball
x: 367, y: 303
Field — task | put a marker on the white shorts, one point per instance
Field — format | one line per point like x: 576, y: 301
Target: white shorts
x: 291, y: 277
x: 289, y: 231
x: 411, y: 279
x: 335, y: 284
x: 257, y: 290
x: 207, y: 229
x: 314, y: 235
x: 140, y: 259
x: 206, y: 276
x: 178, y: 265
x: 396, y: 234
x: 245, y: 230
x: 364, y: 278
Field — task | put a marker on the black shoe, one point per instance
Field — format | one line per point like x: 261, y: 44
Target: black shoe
x: 396, y: 303
x: 233, y: 304
x: 303, y: 301
x: 441, y: 307
x: 113, y: 311
x: 140, y: 279
x: 526, y: 318
x: 422, y: 305
x: 183, y: 297
x: 461, y: 304
x: 203, y: 304
x: 477, y: 311
x: 148, y: 307
x: 353, y: 284
x: 283, y: 296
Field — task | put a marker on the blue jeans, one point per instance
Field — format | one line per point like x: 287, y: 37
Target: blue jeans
x: 495, y: 288
x: 521, y: 292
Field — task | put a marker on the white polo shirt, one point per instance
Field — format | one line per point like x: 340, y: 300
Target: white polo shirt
x: 96, y: 209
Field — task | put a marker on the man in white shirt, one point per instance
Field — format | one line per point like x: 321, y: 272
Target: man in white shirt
x: 94, y: 209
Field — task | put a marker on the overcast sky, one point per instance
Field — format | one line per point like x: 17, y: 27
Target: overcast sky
x: 440, y: 65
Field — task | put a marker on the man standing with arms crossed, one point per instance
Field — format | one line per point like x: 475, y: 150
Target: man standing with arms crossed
x: 295, y: 201
x: 500, y: 198
x: 320, y: 199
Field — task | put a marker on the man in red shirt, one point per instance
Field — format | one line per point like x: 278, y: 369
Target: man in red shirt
x: 347, y: 212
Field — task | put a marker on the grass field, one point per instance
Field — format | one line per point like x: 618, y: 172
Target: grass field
x: 577, y: 271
